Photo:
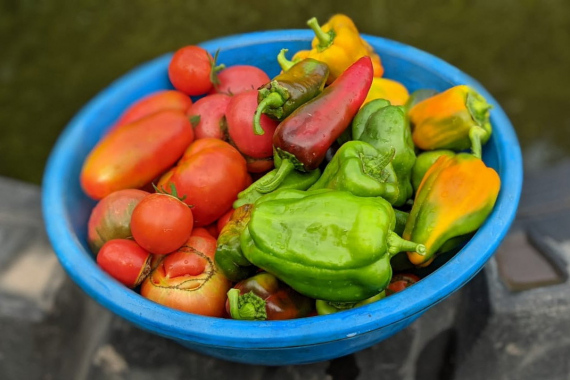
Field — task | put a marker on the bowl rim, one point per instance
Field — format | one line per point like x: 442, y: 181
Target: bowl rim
x: 220, y: 332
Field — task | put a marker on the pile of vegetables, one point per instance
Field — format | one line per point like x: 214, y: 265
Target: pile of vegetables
x: 287, y: 197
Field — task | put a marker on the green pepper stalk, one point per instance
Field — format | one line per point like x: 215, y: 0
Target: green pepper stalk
x: 265, y: 297
x: 325, y: 244
x: 297, y: 84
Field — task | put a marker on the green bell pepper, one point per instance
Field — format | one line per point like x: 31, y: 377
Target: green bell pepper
x: 424, y: 161
x: 328, y: 245
x: 386, y: 127
x: 324, y: 307
x: 359, y: 168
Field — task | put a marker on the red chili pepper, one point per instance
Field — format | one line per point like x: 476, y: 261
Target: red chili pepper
x: 303, y: 138
x: 400, y: 282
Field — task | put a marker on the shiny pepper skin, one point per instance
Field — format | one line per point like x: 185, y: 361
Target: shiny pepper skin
x: 338, y: 44
x: 455, y: 197
x: 456, y: 119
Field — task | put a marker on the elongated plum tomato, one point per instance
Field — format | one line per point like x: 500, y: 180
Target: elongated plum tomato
x: 239, y: 116
x: 133, y: 155
x: 111, y: 217
x: 190, y: 70
x: 125, y: 261
x: 157, y: 101
x: 161, y: 223
x: 207, y: 116
x: 211, y: 174
x: 239, y: 78
x: 188, y: 279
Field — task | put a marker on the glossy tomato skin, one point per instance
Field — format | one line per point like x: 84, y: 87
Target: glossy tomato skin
x: 211, y: 174
x: 240, y: 78
x: 189, y: 70
x: 161, y: 223
x: 125, y: 261
x: 188, y: 280
x: 239, y: 116
x: 131, y: 156
x: 207, y: 116
x: 111, y: 217
x: 259, y: 165
x: 158, y: 101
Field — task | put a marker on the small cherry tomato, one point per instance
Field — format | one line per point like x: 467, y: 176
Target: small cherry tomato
x: 158, y: 101
x: 240, y: 78
x: 400, y: 282
x: 188, y: 279
x: 111, y: 217
x: 125, y: 261
x: 207, y: 116
x: 192, y: 70
x: 161, y: 223
x: 239, y: 116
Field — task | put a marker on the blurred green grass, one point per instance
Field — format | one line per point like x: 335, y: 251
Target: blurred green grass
x: 56, y: 55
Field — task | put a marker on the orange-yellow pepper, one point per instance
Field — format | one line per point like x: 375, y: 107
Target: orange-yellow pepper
x: 338, y: 44
x: 454, y: 198
x: 391, y: 90
x: 456, y: 119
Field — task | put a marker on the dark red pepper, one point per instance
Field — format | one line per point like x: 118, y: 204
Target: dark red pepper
x: 303, y: 138
x: 400, y: 282
x: 265, y: 297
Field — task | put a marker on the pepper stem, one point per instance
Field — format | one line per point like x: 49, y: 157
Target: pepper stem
x: 273, y: 183
x: 246, y: 306
x: 325, y: 39
x: 273, y: 100
x: 476, y: 134
x: 283, y: 61
x: 396, y: 244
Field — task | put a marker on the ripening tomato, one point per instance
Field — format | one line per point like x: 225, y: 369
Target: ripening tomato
x: 133, y: 155
x: 111, y: 217
x: 158, y: 101
x: 207, y: 116
x: 211, y: 174
x: 239, y: 116
x: 161, y: 223
x: 240, y: 78
x: 188, y: 279
x: 125, y: 261
x: 192, y: 70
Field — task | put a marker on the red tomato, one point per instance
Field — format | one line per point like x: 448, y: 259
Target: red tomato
x: 133, y: 155
x: 158, y: 101
x: 190, y: 70
x: 212, y: 230
x: 224, y: 220
x: 111, y: 217
x: 161, y: 223
x: 125, y: 261
x: 240, y: 78
x: 259, y: 165
x: 400, y: 282
x: 239, y: 116
x: 206, y: 116
x: 211, y: 174
x: 188, y: 280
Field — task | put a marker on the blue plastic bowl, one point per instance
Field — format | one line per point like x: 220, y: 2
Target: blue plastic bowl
x: 66, y: 211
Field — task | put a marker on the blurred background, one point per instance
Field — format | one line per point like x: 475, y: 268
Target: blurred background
x: 56, y: 55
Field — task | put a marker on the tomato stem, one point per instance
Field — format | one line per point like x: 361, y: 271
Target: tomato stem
x: 215, y: 68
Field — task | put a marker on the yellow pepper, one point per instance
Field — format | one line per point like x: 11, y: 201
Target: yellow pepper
x: 455, y: 197
x: 338, y: 44
x: 384, y: 88
x: 456, y: 119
